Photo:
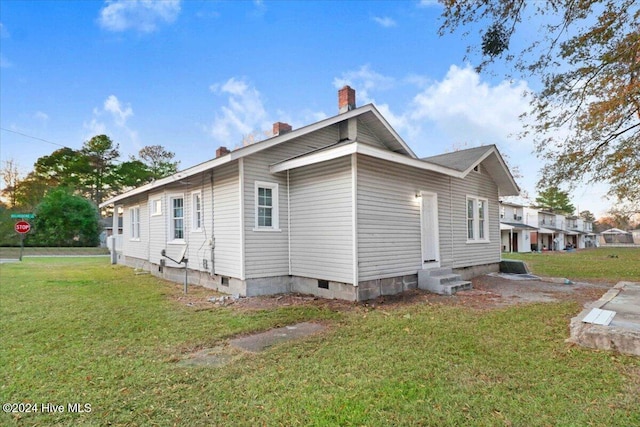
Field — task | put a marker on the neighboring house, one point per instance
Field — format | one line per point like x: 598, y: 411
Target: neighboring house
x: 515, y: 232
x: 616, y: 237
x: 341, y: 208
x: 558, y: 232
x: 106, y: 224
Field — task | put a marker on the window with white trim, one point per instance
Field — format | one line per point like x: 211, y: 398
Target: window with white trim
x: 477, y: 219
x: 156, y: 207
x: 196, y: 210
x: 134, y: 222
x: 266, y: 206
x: 176, y: 204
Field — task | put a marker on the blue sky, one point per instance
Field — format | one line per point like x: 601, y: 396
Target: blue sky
x: 195, y: 75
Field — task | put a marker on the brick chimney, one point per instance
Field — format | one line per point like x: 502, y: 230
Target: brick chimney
x: 279, y: 128
x: 221, y: 151
x: 346, y: 99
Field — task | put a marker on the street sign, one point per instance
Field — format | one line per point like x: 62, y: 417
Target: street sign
x: 22, y: 227
x: 23, y: 216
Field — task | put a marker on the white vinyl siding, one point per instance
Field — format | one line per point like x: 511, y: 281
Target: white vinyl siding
x: 157, y: 227
x: 226, y: 227
x: 463, y: 254
x: 389, y: 233
x: 321, y: 221
x: 267, y: 253
x: 138, y: 217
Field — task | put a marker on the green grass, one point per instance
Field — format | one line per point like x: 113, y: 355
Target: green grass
x: 11, y: 252
x: 82, y: 331
x: 607, y: 265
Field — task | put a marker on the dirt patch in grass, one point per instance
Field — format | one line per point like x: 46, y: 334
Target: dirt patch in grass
x: 488, y: 292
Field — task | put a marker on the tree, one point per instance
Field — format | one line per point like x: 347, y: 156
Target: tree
x: 65, y: 219
x: 555, y: 200
x: 11, y: 176
x: 132, y: 174
x: 101, y: 154
x: 159, y: 161
x: 588, y: 57
x: 587, y: 216
x: 64, y: 167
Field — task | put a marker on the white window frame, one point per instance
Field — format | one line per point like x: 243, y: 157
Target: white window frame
x: 172, y: 219
x: 134, y: 223
x: 156, y: 207
x: 196, y: 211
x: 275, y: 214
x: 477, y: 225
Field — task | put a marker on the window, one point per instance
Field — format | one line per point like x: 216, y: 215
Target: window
x: 477, y: 220
x: 177, y: 218
x: 470, y: 222
x: 134, y: 220
x: 266, y: 205
x: 196, y: 208
x: 156, y: 207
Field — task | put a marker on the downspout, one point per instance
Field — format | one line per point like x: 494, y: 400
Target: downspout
x: 354, y: 220
x: 213, y: 233
x: 451, y: 219
x: 289, y: 222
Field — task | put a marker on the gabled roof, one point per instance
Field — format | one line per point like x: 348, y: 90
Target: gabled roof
x: 457, y: 164
x: 367, y: 114
x: 461, y: 160
x: 465, y: 161
x: 614, y: 231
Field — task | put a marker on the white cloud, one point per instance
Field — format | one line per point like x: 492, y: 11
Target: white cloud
x: 4, y: 62
x: 43, y: 117
x: 470, y: 110
x: 243, y: 114
x: 4, y: 33
x: 121, y: 133
x: 384, y: 21
x: 139, y: 15
x: 428, y: 3
x: 120, y: 115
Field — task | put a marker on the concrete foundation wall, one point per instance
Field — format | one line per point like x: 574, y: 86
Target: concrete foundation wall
x: 368, y: 289
x: 468, y: 273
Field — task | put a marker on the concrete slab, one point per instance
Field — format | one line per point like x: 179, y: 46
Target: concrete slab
x: 622, y: 334
x: 260, y: 342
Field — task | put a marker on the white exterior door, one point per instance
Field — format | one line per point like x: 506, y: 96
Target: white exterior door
x: 429, y: 227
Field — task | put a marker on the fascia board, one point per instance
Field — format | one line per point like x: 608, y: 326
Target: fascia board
x: 202, y: 167
x: 393, y: 132
x: 313, y: 158
x: 363, y: 149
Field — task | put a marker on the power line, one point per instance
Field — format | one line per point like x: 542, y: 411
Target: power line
x: 34, y: 137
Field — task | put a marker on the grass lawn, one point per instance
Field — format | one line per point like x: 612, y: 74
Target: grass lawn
x: 608, y: 265
x: 78, y: 330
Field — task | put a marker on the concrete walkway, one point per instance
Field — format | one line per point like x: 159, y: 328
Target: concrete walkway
x: 622, y: 332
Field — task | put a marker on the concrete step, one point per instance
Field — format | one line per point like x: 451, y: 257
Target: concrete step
x: 452, y: 288
x: 443, y: 282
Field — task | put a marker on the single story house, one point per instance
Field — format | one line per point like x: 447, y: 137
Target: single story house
x: 341, y: 208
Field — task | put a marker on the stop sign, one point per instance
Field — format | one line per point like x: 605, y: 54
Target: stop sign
x: 22, y: 227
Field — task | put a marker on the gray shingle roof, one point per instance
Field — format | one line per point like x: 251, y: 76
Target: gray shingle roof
x: 460, y: 160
